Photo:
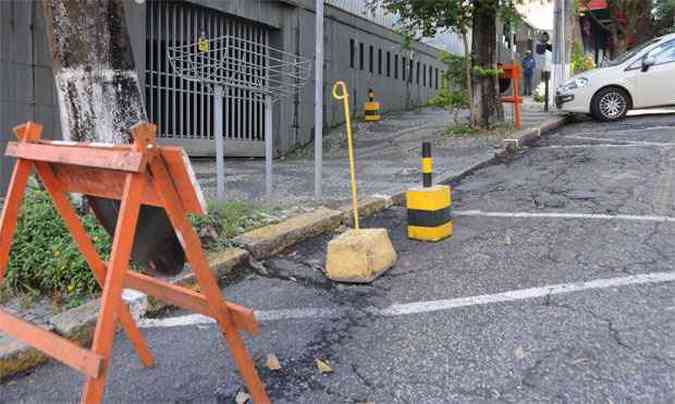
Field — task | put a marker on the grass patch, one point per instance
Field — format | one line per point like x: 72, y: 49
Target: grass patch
x: 226, y: 220
x: 462, y: 131
x: 46, y: 263
x: 44, y: 260
x: 468, y: 130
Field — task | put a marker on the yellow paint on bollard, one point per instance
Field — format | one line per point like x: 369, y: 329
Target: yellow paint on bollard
x: 371, y: 109
x: 428, y: 207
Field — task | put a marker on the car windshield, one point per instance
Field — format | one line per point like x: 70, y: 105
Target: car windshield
x: 630, y: 53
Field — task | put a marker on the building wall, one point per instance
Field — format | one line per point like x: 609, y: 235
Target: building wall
x: 27, y: 88
x: 340, y: 29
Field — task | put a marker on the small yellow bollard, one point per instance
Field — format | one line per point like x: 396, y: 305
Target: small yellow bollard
x: 357, y: 255
x: 429, y: 207
x: 371, y: 109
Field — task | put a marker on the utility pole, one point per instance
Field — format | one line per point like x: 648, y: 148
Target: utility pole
x: 559, y: 53
x: 318, y: 100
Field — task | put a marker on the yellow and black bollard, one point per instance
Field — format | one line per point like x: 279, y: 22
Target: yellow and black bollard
x: 428, y: 207
x: 371, y: 109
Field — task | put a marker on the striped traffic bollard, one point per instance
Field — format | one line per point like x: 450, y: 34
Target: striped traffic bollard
x: 371, y: 109
x: 428, y: 207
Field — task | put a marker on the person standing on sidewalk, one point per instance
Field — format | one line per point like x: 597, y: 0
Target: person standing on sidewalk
x: 529, y: 65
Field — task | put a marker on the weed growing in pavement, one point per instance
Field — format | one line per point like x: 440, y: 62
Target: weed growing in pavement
x: 44, y: 259
x: 5, y: 294
x: 468, y: 130
x: 461, y: 130
x: 225, y: 220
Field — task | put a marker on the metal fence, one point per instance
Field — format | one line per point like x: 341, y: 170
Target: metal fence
x: 183, y: 109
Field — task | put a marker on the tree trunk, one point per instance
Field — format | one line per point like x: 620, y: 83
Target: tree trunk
x: 100, y: 99
x: 467, y: 72
x: 486, y: 103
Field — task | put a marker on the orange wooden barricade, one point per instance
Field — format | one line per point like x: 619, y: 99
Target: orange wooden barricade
x: 512, y: 71
x: 136, y: 174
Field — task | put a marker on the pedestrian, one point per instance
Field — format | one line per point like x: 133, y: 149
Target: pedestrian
x: 529, y: 64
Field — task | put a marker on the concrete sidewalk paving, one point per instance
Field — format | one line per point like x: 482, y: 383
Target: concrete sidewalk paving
x: 387, y: 160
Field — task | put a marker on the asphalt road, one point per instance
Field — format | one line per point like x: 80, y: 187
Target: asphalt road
x: 578, y: 230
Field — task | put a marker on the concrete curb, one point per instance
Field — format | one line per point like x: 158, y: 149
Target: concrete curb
x: 526, y: 137
x: 270, y: 240
x: 78, y: 324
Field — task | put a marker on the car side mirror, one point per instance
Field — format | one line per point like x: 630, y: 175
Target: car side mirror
x: 647, y: 62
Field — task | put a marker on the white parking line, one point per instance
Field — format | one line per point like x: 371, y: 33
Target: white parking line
x: 607, y: 146
x: 634, y: 142
x: 430, y: 306
x: 562, y: 215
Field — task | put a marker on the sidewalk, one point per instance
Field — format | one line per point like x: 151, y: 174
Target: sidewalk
x: 387, y: 160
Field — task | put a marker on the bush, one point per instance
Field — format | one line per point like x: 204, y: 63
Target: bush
x: 580, y: 62
x: 44, y: 258
x: 455, y: 74
x: 540, y: 92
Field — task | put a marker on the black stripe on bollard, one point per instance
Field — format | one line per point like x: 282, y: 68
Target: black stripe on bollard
x: 426, y: 164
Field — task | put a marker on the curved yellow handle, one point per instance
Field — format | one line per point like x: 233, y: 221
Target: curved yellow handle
x: 344, y: 96
x: 342, y: 86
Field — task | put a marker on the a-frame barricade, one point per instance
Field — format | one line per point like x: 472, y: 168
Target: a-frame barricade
x: 142, y: 173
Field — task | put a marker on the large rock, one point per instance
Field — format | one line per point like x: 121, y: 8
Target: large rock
x: 359, y: 256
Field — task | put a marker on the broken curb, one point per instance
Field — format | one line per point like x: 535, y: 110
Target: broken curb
x: 270, y: 240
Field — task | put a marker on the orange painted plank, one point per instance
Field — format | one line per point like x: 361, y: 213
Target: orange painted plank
x: 98, y: 182
x: 11, y: 209
x: 51, y: 344
x: 108, y: 158
x: 206, y: 280
x: 512, y: 99
x: 243, y: 317
x: 112, y: 293
x: 90, y: 255
x: 174, y: 158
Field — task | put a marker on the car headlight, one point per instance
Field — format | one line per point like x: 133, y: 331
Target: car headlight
x: 575, y: 83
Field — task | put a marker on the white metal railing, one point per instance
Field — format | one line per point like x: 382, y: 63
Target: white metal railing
x: 185, y: 109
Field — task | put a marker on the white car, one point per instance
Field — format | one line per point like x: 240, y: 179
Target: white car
x: 643, y: 77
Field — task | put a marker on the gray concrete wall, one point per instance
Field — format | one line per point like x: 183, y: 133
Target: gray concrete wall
x: 394, y: 94
x: 27, y: 89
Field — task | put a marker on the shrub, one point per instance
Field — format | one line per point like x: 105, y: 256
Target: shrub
x: 540, y: 92
x: 580, y: 62
x: 45, y: 260
x: 44, y: 257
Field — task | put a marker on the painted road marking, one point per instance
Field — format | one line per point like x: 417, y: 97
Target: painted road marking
x: 561, y: 215
x: 629, y: 142
x: 430, y: 306
x: 606, y: 146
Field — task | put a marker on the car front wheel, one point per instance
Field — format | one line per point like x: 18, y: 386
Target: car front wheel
x: 610, y: 104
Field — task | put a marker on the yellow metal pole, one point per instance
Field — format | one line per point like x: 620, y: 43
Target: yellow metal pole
x: 344, y: 96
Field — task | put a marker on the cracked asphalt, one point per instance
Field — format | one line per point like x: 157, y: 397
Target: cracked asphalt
x: 606, y: 345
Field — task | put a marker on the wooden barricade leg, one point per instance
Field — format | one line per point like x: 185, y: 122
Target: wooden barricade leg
x: 207, y: 282
x: 10, y: 212
x: 90, y: 254
x: 114, y: 282
x: 17, y: 186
